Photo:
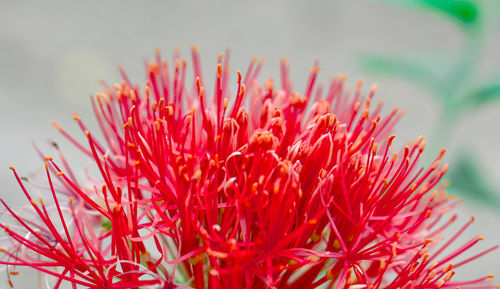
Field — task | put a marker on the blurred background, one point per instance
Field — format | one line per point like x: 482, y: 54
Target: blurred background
x: 437, y: 59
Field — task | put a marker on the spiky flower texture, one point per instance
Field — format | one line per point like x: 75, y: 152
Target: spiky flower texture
x: 258, y: 187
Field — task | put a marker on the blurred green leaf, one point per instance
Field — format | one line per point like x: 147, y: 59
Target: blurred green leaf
x: 402, y: 68
x: 482, y: 96
x: 468, y: 181
x: 465, y: 12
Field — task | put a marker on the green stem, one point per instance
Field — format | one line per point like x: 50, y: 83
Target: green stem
x: 451, y: 106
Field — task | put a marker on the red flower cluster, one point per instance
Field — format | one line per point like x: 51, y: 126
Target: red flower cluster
x: 289, y: 191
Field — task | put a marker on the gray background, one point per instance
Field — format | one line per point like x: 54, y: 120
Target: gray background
x: 51, y: 55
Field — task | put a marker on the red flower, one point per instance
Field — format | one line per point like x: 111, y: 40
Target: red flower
x: 297, y: 191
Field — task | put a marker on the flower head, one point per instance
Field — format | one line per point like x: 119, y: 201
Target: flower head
x: 257, y: 187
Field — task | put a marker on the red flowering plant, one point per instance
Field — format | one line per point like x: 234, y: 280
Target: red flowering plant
x: 260, y: 187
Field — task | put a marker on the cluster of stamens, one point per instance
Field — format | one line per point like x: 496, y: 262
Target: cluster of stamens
x: 269, y: 189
